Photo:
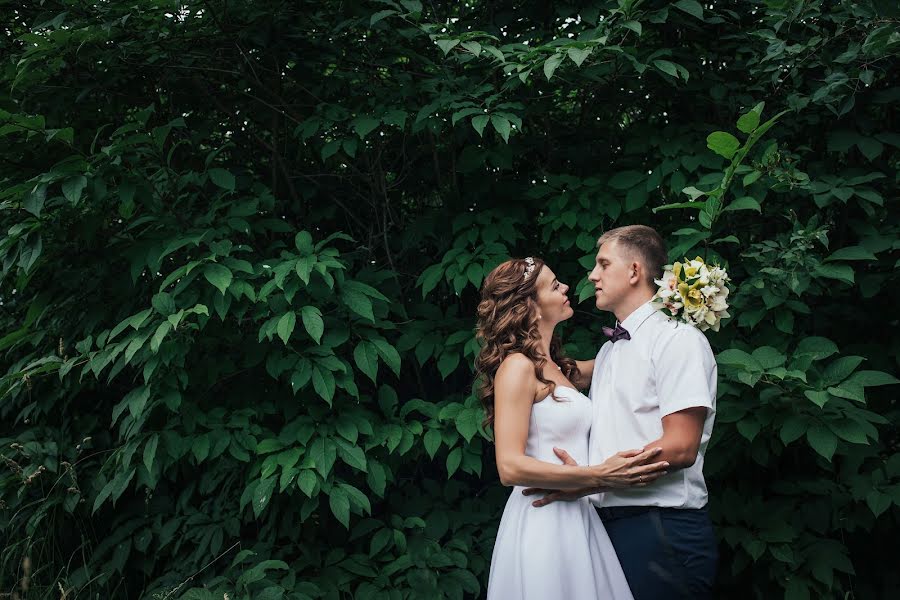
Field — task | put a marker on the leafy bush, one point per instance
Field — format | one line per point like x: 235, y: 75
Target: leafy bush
x: 243, y: 242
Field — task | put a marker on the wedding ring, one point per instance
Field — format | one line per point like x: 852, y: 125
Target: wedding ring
x: 641, y: 478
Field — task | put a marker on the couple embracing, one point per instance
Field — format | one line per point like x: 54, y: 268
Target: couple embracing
x: 609, y: 499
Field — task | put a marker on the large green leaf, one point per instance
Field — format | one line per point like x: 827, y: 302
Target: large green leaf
x: 222, y: 178
x: 323, y: 383
x: 692, y: 7
x: 366, y: 356
x: 817, y: 347
x: 262, y: 495
x: 356, y: 497
x: 840, y: 272
x: 364, y: 125
x: 793, y: 429
x: 447, y: 45
x: 358, y: 302
x: 352, y: 455
x: 432, y: 441
x: 218, y: 275
x: 822, y: 440
x: 73, y: 187
x: 744, y: 203
x: 467, y: 422
x: 339, y: 502
x: 150, y: 452
x: 306, y: 481
x: 502, y: 126
x: 551, y: 64
x: 453, y: 460
x: 285, y: 326
x: 873, y: 378
x: 667, y: 67
x: 625, y: 179
x: 480, y: 122
x: 723, y: 143
x: 312, y: 321
x: 35, y: 199
x: 851, y: 253
x: 750, y: 120
x: 389, y: 355
x: 381, y: 14
x: 578, y: 55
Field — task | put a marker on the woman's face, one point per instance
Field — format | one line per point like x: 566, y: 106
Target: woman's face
x: 552, y: 297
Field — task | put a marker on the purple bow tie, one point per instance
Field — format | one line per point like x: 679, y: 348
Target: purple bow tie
x: 619, y: 333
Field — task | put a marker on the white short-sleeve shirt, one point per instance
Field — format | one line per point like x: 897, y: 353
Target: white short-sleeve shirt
x: 665, y: 367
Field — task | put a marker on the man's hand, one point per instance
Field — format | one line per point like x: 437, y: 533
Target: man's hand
x: 646, y: 475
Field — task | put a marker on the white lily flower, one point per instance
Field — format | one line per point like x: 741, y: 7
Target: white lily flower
x: 691, y: 309
x: 668, y: 280
x: 718, y: 304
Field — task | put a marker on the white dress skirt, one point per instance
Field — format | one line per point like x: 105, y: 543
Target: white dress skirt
x: 560, y: 550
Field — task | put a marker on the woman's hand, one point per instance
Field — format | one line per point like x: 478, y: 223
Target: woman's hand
x: 629, y: 468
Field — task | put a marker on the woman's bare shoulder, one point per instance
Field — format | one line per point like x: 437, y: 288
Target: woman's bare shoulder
x: 516, y: 370
x: 515, y: 365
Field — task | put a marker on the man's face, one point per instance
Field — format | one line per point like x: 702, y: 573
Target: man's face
x: 611, y: 274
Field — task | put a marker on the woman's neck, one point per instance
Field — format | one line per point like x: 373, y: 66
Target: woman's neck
x: 546, y: 331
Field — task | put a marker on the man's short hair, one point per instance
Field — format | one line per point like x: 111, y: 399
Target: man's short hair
x: 643, y: 241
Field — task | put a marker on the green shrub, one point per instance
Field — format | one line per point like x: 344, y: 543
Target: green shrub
x: 243, y: 241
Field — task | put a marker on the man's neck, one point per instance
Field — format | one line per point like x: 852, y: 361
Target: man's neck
x: 632, y: 304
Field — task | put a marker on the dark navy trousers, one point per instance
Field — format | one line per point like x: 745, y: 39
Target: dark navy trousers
x: 666, y: 553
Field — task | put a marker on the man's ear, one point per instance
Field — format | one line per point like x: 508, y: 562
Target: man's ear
x: 635, y: 269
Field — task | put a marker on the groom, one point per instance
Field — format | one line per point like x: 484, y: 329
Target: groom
x: 654, y: 385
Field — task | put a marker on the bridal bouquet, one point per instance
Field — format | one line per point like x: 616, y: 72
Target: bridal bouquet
x: 694, y: 293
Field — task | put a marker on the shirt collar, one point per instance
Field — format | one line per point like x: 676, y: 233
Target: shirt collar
x: 633, y: 321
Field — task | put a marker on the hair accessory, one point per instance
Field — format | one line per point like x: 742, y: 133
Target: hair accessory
x: 529, y: 268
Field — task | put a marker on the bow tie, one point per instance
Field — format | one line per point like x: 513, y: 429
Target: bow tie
x: 619, y: 333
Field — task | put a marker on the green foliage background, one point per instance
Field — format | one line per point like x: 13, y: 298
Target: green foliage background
x: 242, y: 244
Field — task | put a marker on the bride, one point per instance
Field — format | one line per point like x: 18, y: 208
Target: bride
x: 529, y: 392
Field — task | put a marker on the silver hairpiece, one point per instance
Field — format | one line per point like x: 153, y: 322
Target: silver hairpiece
x: 528, y: 269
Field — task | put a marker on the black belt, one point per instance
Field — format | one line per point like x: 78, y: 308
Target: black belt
x: 623, y: 512
x: 612, y: 513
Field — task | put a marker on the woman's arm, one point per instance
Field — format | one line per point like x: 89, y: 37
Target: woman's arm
x: 585, y: 372
x: 514, y: 387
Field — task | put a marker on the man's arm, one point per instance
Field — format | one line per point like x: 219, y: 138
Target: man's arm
x: 685, y: 373
x: 680, y: 444
x: 680, y: 441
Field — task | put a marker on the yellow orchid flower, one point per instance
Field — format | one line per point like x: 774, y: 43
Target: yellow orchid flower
x: 691, y: 296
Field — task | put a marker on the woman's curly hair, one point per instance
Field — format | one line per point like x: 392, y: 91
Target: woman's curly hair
x: 508, y: 323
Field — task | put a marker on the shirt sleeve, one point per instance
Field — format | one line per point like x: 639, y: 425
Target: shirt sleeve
x: 686, y: 372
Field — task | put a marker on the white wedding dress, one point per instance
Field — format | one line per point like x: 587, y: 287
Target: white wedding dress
x: 560, y: 550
